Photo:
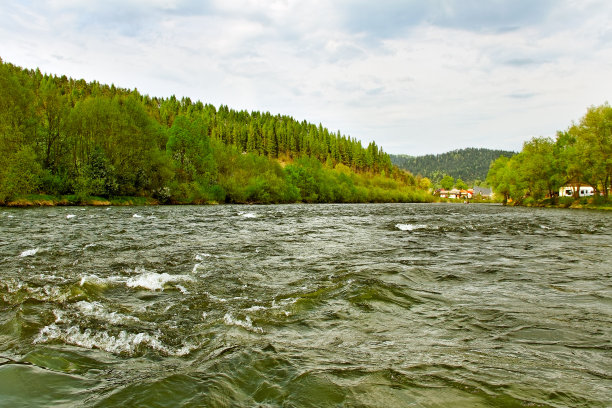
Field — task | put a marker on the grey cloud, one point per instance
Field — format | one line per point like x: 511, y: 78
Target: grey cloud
x: 493, y: 15
x: 383, y: 18
x: 129, y: 18
x: 388, y: 18
x: 522, y: 62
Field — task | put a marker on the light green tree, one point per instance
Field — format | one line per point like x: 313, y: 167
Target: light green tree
x: 460, y: 184
x: 447, y: 182
x: 538, y: 167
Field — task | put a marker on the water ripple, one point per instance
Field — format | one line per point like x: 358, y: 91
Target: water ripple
x: 306, y: 305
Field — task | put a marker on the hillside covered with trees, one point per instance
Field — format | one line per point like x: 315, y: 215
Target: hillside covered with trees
x: 71, y: 138
x: 470, y: 165
x: 581, y: 155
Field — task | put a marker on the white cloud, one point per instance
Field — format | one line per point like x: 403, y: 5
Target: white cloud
x: 415, y: 77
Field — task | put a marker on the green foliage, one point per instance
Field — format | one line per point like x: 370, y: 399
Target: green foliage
x: 69, y: 137
x: 460, y: 184
x: 447, y: 182
x: 581, y: 155
x: 20, y: 174
x: 467, y: 164
x: 99, y: 175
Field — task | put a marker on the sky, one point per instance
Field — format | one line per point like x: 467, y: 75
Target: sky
x: 416, y: 77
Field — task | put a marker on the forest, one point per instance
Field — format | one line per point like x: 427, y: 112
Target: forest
x: 470, y: 165
x: 581, y: 155
x: 73, y: 140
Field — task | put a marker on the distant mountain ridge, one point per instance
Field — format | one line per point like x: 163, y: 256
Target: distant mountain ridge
x: 468, y: 164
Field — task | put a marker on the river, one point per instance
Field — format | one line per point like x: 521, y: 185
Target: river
x: 381, y: 305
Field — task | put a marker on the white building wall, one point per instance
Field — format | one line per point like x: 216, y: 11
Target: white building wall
x: 584, y: 191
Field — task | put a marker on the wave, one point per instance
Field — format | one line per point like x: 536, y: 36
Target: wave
x: 145, y: 280
x: 247, y: 323
x: 410, y: 227
x: 155, y: 281
x: 255, y: 308
x: 98, y: 311
x: 120, y: 343
x: 29, y: 252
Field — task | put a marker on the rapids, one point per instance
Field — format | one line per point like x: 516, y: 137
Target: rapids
x: 394, y: 305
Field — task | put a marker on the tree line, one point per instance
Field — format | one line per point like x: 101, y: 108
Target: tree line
x: 581, y: 154
x: 470, y: 164
x: 63, y: 136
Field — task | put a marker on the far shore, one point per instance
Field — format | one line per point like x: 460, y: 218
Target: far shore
x: 74, y: 201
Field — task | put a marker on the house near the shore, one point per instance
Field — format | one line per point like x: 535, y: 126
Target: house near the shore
x: 455, y: 193
x: 583, y: 190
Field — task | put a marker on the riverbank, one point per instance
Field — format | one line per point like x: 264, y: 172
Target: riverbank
x: 589, y: 203
x: 40, y: 200
x: 44, y: 200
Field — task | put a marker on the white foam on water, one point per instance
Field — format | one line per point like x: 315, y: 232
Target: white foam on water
x: 155, y: 281
x: 215, y: 298
x: 29, y: 252
x: 52, y: 278
x: 144, y: 279
x: 410, y: 227
x: 69, y: 216
x: 545, y: 227
x: 200, y: 257
x: 195, y: 268
x: 247, y: 323
x: 255, y: 308
x: 136, y: 216
x: 90, y: 279
x: 90, y: 245
x: 96, y: 280
x: 182, y: 289
x: 97, y: 310
x: 59, y: 315
x: 122, y: 343
x: 247, y: 214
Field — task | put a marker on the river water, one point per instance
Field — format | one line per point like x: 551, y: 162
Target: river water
x: 391, y: 305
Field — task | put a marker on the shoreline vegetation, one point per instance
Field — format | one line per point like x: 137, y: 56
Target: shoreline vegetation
x: 39, y: 200
x: 579, y: 156
x: 66, y: 141
x: 587, y: 203
x: 45, y: 200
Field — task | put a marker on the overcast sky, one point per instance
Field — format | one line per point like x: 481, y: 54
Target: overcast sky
x: 417, y: 77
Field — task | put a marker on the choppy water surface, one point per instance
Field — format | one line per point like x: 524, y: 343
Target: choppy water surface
x: 305, y: 305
